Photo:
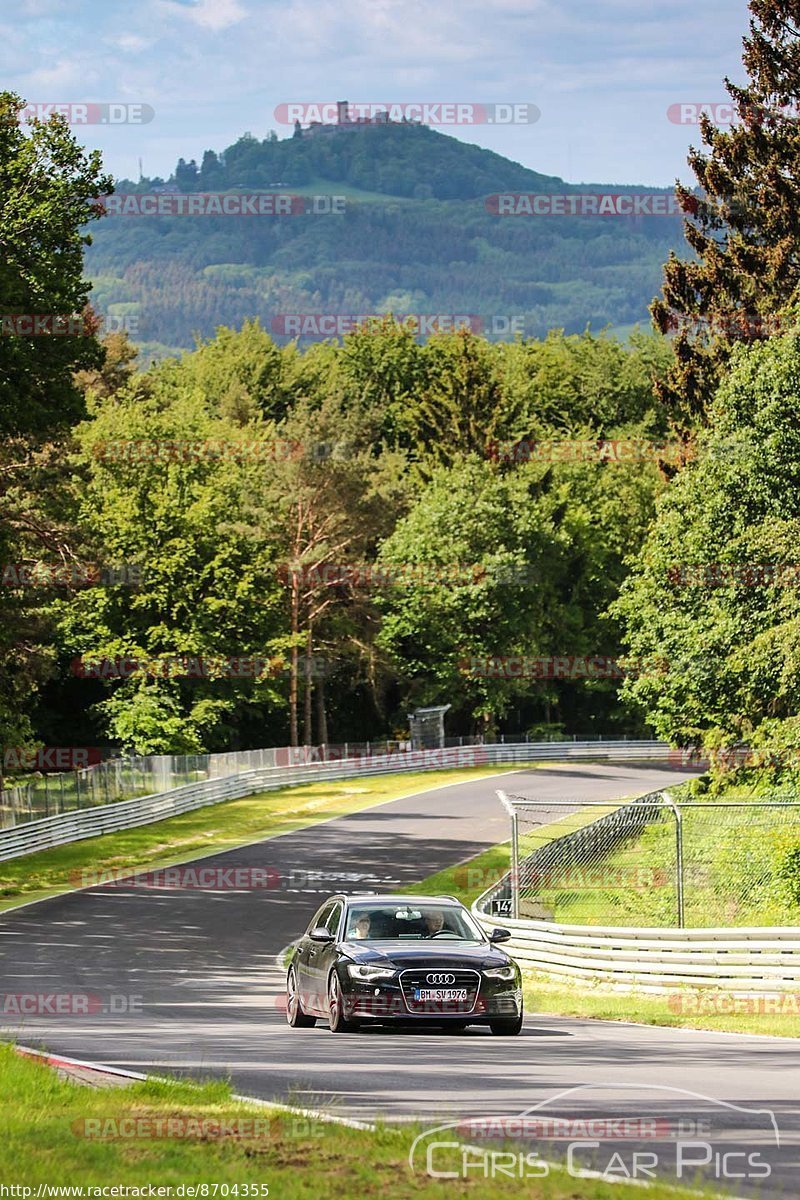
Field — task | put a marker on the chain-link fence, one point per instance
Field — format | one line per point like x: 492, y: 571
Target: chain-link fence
x: 654, y: 862
x: 46, y: 795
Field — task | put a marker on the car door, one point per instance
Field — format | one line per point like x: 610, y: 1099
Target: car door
x: 306, y: 960
x: 326, y: 953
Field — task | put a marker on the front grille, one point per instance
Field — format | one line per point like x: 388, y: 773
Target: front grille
x: 419, y: 978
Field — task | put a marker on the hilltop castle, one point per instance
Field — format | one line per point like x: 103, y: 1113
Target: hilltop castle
x: 366, y: 115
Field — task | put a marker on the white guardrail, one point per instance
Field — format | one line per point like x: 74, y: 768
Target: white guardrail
x: 746, y: 959
x: 73, y: 826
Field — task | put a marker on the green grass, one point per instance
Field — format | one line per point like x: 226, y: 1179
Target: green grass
x: 329, y: 187
x: 297, y: 1158
x: 467, y: 880
x: 217, y: 827
x: 683, y: 1008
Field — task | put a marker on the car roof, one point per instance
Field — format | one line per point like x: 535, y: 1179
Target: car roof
x: 392, y: 898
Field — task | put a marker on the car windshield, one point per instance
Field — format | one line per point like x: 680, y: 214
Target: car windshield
x: 417, y: 922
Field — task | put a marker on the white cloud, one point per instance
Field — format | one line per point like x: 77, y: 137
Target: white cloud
x: 66, y: 76
x: 131, y: 42
x: 214, y: 15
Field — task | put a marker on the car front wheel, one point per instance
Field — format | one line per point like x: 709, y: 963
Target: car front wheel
x: 506, y: 1026
x: 336, y: 1018
x: 294, y: 1009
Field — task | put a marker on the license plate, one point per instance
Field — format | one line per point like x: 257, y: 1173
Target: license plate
x: 440, y: 994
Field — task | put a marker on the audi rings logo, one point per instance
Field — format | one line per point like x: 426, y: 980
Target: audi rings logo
x: 440, y: 979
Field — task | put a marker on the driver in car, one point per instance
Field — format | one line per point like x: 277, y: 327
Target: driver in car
x: 362, y: 925
x: 434, y: 922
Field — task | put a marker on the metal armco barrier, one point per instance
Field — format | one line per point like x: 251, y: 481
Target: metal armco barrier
x: 144, y: 810
x: 657, y: 960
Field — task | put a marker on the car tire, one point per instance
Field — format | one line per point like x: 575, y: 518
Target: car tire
x: 295, y: 1016
x: 506, y: 1026
x: 336, y: 1019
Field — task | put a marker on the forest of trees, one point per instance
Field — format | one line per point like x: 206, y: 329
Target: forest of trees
x: 361, y: 512
x: 366, y: 525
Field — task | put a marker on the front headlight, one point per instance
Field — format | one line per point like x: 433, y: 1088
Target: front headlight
x: 367, y: 973
x: 507, y: 972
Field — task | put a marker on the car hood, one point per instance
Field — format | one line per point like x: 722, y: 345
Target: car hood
x: 403, y: 954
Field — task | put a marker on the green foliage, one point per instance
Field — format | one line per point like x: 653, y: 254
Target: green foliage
x: 724, y: 653
x: 48, y: 188
x: 161, y: 504
x: 743, y: 227
x: 375, y: 452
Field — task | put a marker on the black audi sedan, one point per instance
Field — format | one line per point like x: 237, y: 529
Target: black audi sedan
x: 401, y: 960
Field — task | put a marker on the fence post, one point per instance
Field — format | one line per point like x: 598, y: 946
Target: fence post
x: 508, y: 805
x: 515, y: 865
x: 678, y: 854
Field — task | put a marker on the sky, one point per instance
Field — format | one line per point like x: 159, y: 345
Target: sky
x: 603, y: 74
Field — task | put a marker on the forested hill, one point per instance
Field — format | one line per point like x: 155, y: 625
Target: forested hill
x: 414, y: 231
x: 397, y: 160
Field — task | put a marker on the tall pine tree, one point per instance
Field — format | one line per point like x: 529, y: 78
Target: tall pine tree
x: 745, y: 225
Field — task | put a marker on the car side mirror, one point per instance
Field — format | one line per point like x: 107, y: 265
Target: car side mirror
x: 500, y: 935
x: 320, y: 934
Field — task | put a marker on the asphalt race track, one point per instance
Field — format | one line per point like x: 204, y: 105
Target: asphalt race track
x: 187, y: 980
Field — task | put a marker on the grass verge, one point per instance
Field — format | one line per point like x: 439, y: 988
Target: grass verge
x: 682, y: 1008
x: 207, y: 830
x: 58, y: 1133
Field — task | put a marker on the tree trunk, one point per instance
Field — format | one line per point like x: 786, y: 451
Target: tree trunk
x: 322, y: 720
x: 294, y: 661
x: 307, y: 696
